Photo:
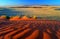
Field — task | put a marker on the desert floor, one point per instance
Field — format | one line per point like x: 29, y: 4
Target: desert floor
x: 30, y: 29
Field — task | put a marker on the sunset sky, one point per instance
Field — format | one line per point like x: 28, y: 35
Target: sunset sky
x: 28, y: 2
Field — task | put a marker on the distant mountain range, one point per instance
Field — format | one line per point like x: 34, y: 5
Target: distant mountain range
x: 29, y: 6
x: 26, y: 6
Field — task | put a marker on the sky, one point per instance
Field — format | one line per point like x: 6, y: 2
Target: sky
x: 28, y: 2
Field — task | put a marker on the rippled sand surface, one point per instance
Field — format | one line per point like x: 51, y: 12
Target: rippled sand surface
x: 30, y: 29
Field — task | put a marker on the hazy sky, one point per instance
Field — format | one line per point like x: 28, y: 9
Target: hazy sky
x: 28, y: 2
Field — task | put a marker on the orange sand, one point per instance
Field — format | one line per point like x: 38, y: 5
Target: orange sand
x: 30, y: 29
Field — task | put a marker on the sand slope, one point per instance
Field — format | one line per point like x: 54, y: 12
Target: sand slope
x: 30, y: 29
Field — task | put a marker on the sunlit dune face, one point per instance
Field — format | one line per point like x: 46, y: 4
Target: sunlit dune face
x: 34, y: 17
x: 15, y: 18
x: 46, y: 35
x: 24, y: 18
x: 3, y: 17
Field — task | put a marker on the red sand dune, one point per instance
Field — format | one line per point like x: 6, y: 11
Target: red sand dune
x: 30, y: 29
x: 34, y: 35
x: 46, y: 36
x: 15, y: 18
x: 23, y: 18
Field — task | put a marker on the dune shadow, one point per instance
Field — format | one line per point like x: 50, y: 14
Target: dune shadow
x: 52, y: 32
